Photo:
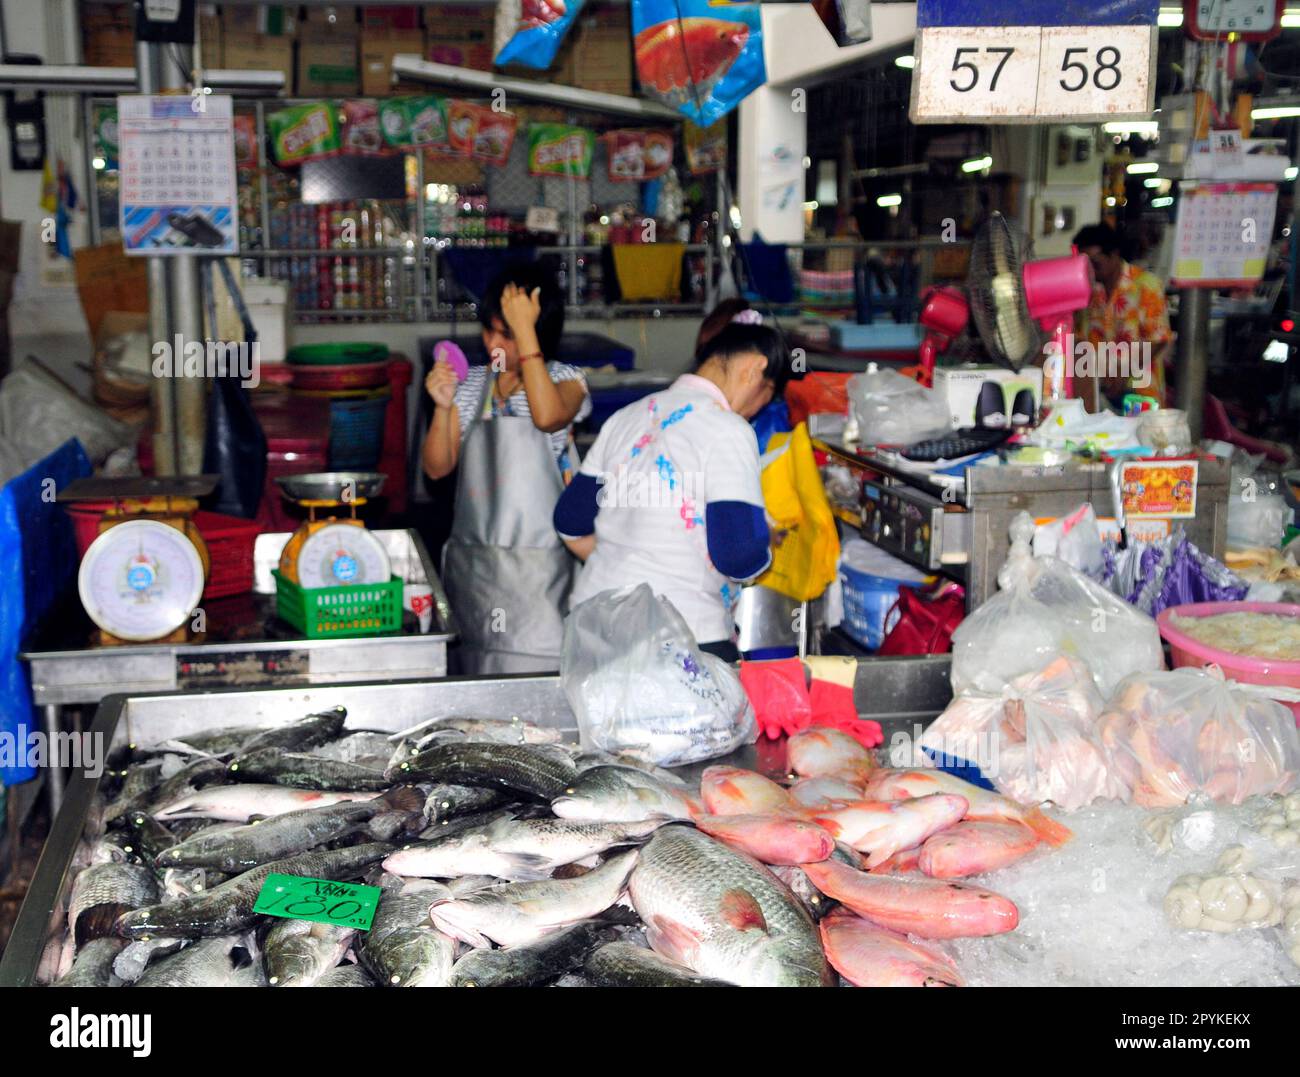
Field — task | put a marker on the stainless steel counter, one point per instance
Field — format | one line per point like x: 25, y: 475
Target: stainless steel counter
x: 897, y: 692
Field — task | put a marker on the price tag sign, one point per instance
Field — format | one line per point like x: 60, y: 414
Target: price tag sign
x: 296, y: 897
x: 1033, y: 61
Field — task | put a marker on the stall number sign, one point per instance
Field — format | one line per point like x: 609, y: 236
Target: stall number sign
x: 1032, y: 74
x: 296, y: 897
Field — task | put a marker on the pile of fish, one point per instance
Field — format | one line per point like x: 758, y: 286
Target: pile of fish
x: 506, y: 858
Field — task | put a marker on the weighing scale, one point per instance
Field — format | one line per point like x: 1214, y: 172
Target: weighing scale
x: 143, y: 575
x: 332, y: 549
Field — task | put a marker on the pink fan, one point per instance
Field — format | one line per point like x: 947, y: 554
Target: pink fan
x: 449, y: 352
x: 1054, y: 289
x: 944, y: 313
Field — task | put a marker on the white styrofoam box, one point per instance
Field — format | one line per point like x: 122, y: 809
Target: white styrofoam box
x: 268, y: 306
x: 959, y: 388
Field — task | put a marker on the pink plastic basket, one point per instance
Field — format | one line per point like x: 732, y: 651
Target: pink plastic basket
x: 1239, y: 667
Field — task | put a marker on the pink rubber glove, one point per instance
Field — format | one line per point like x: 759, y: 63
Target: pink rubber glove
x: 779, y: 695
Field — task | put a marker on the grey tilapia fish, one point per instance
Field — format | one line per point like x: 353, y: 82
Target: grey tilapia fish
x: 228, y: 908
x: 447, y: 801
x: 538, y: 771
x: 103, y: 892
x: 135, y: 957
x: 229, y: 961
x: 367, y: 748
x: 239, y: 803
x: 795, y: 879
x: 597, y: 757
x: 179, y: 883
x: 298, y: 736
x: 346, y: 976
x: 498, y: 730
x: 137, y: 789
x: 244, y: 847
x: 624, y: 964
x: 534, y: 963
x: 220, y: 741
x: 196, y: 775
x: 93, y: 966
x: 303, y: 771
x: 403, y: 948
x: 617, y: 793
x: 148, y: 837
x: 299, y: 952
x: 723, y: 914
x: 520, y: 913
x: 516, y: 849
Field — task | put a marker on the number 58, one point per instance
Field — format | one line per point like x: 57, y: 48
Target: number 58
x: 1109, y: 67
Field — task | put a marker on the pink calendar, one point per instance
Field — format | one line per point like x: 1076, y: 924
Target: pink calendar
x: 176, y: 158
x: 1223, y: 234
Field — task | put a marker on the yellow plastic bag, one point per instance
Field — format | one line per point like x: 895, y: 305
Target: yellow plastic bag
x: 805, y: 543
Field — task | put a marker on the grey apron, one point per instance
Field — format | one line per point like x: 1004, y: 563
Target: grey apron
x: 506, y: 573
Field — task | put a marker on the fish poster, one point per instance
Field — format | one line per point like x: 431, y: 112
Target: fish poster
x: 555, y: 149
x: 701, y: 57
x: 538, y: 31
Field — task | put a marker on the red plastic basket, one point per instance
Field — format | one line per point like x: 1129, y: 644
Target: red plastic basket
x: 338, y: 378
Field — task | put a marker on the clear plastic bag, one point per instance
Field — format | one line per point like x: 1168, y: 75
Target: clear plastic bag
x: 1036, y: 740
x: 636, y: 679
x: 892, y: 409
x: 38, y: 414
x: 1046, y: 609
x: 1189, y: 731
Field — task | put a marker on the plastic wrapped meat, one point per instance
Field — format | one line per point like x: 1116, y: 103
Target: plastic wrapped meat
x: 1189, y: 731
x: 1037, y: 740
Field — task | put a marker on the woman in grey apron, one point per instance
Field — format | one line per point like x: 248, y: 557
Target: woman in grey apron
x: 507, y: 428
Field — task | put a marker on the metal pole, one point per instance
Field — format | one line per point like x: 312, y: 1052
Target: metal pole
x: 54, y: 775
x: 187, y: 323
x: 162, y: 390
x: 1193, y: 355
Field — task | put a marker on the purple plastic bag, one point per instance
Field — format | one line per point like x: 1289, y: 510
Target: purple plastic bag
x: 1173, y: 572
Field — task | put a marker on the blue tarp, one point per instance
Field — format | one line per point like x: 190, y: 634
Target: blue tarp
x: 1037, y: 13
x: 38, y: 561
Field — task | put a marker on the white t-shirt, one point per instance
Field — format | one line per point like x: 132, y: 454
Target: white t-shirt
x: 662, y: 459
x: 469, y: 401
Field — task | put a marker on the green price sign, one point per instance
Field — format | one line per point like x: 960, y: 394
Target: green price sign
x: 297, y: 898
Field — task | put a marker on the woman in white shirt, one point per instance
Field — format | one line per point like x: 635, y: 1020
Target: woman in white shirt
x: 506, y: 428
x: 670, y: 494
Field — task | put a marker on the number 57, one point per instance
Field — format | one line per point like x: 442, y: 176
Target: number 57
x: 958, y: 64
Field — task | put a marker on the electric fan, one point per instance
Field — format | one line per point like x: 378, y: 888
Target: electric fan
x: 996, y: 290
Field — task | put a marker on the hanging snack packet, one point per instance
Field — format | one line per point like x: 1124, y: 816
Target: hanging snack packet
x: 706, y: 147
x: 539, y: 29
x: 245, y: 141
x: 658, y: 153
x: 303, y: 133
x: 414, y: 121
x: 698, y: 58
x: 361, y: 133
x: 555, y: 149
x: 494, y: 136
x: 625, y: 155
x: 462, y: 123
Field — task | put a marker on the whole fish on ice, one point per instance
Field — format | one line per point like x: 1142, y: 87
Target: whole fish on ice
x: 973, y: 848
x: 871, y: 956
x: 882, y: 828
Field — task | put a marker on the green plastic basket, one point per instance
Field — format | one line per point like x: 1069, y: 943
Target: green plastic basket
x: 349, y: 353
x: 367, y: 609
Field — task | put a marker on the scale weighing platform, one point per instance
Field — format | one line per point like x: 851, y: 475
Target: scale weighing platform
x: 245, y: 645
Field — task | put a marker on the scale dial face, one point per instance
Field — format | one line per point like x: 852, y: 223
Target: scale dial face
x: 341, y: 555
x: 140, y: 580
x: 1250, y: 20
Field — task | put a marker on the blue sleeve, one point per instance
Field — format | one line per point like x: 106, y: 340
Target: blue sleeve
x: 575, y: 512
x: 738, y: 538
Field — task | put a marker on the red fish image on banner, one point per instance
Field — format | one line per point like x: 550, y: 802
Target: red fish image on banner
x: 709, y: 46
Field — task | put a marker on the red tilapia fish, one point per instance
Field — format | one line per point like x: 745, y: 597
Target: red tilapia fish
x: 676, y: 53
x: 929, y: 908
x: 902, y: 784
x: 870, y: 956
x: 773, y: 839
x: 881, y: 829
x: 735, y: 791
x: 828, y: 753
x: 972, y: 848
x: 824, y: 792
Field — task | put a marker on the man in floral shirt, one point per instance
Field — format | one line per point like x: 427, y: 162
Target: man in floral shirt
x: 1128, y: 307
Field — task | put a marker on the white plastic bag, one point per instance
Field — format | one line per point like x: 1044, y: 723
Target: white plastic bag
x: 1045, y: 609
x: 636, y: 679
x: 38, y: 414
x: 1036, y: 740
x: 892, y: 409
x: 1188, y: 731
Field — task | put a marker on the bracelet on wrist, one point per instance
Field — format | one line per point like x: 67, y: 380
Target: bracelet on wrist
x: 531, y: 355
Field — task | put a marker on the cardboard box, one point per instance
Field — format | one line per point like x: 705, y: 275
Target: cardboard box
x: 100, y: 16
x: 461, y: 35
x: 109, y: 47
x: 377, y: 51
x: 959, y: 388
x: 328, y: 69
x: 392, y: 17
x: 602, y: 52
x: 210, y: 39
x: 108, y: 279
x: 259, y: 52
x: 329, y: 22
x: 274, y: 20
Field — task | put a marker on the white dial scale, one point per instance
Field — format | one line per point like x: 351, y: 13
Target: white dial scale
x: 140, y: 580
x: 339, y: 555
